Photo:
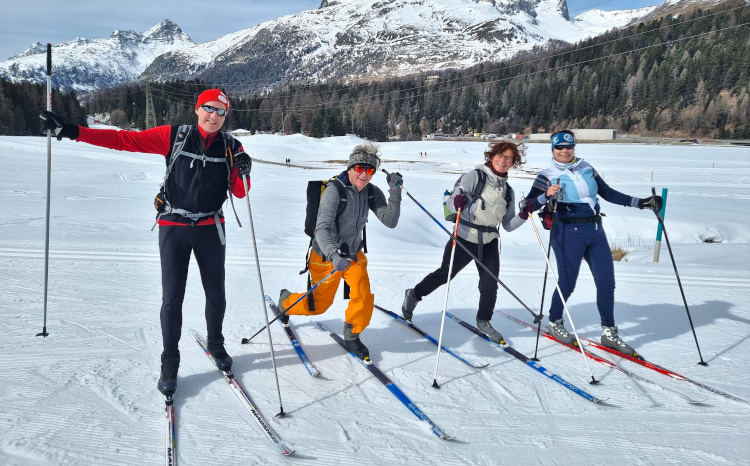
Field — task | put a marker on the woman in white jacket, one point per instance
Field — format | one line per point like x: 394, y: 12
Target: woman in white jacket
x: 479, y: 231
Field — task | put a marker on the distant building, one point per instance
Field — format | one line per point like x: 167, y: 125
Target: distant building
x: 240, y: 132
x: 581, y: 135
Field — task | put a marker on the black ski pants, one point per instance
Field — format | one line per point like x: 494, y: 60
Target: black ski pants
x: 487, y: 283
x: 176, y: 242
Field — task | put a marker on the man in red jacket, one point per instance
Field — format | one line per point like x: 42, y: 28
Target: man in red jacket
x: 204, y: 165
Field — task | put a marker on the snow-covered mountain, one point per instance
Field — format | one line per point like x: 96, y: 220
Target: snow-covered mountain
x: 349, y: 39
x: 373, y: 39
x: 85, y: 65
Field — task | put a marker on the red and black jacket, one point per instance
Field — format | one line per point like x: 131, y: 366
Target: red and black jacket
x: 192, y: 185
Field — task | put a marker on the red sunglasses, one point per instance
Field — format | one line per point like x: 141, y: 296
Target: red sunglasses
x: 363, y: 169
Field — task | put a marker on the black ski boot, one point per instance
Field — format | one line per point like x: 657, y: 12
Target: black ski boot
x: 284, y: 318
x: 219, y: 353
x: 355, y: 345
x: 410, y: 302
x: 168, y: 377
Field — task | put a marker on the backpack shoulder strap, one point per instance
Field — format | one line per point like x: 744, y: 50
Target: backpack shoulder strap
x: 370, y: 195
x: 481, y: 181
x: 341, y: 190
x: 229, y: 154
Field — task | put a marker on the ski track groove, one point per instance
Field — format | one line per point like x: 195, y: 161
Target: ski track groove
x: 117, y: 256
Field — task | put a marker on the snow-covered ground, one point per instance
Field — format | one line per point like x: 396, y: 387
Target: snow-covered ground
x: 87, y: 394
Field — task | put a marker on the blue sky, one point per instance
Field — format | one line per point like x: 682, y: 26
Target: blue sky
x: 56, y: 21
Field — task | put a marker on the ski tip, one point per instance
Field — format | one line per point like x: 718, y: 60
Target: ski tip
x: 445, y: 436
x: 287, y: 451
x: 697, y: 402
x: 481, y: 366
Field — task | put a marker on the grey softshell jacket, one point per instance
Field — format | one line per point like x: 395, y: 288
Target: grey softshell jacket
x: 330, y: 234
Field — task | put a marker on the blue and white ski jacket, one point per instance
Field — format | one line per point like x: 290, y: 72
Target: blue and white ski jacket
x: 581, y: 185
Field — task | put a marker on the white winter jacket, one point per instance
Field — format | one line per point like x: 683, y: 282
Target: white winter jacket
x: 496, y: 204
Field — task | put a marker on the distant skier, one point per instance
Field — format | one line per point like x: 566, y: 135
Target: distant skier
x: 478, y: 230
x: 577, y: 233
x: 337, y: 235
x: 203, y: 164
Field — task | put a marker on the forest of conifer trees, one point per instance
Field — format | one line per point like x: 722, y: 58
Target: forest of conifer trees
x: 683, y: 76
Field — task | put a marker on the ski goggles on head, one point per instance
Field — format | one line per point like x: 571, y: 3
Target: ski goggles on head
x: 364, y: 169
x: 567, y: 146
x: 210, y: 109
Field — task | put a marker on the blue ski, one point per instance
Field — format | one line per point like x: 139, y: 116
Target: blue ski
x: 293, y: 340
x: 533, y: 364
x: 390, y: 385
x: 427, y: 336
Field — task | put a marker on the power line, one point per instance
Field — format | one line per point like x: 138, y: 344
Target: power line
x: 364, y: 85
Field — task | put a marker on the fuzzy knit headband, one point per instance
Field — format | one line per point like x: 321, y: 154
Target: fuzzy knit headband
x: 365, y: 154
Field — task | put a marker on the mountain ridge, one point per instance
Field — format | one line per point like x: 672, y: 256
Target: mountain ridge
x: 341, y: 39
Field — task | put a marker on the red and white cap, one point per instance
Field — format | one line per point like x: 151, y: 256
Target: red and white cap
x: 212, y: 95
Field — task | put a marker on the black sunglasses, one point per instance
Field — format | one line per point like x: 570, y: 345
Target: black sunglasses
x: 210, y: 109
x: 567, y: 146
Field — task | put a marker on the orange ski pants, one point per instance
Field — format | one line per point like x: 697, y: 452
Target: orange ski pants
x: 361, y: 301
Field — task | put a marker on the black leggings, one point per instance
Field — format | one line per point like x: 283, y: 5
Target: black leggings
x: 176, y: 242
x: 487, y: 284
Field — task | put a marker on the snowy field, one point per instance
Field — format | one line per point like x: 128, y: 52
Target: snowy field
x: 86, y: 395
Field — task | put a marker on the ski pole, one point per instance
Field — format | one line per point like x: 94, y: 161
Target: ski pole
x: 679, y: 283
x: 546, y: 269
x: 263, y: 294
x: 49, y: 190
x: 537, y: 318
x: 565, y: 305
x: 445, y: 305
x: 247, y: 340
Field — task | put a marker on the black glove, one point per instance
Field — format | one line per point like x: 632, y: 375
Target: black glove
x: 651, y: 202
x: 244, y: 164
x: 527, y: 207
x: 394, y: 180
x: 58, y: 125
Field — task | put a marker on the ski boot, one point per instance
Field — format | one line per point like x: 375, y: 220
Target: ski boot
x: 485, y: 327
x: 557, y: 329
x: 410, y: 302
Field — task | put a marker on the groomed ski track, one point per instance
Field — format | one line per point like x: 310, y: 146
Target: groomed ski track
x: 87, y: 393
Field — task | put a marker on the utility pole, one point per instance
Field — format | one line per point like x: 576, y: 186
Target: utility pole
x: 282, y: 123
x: 150, y: 114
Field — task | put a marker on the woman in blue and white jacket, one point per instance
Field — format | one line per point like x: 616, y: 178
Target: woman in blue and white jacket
x: 577, y: 233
